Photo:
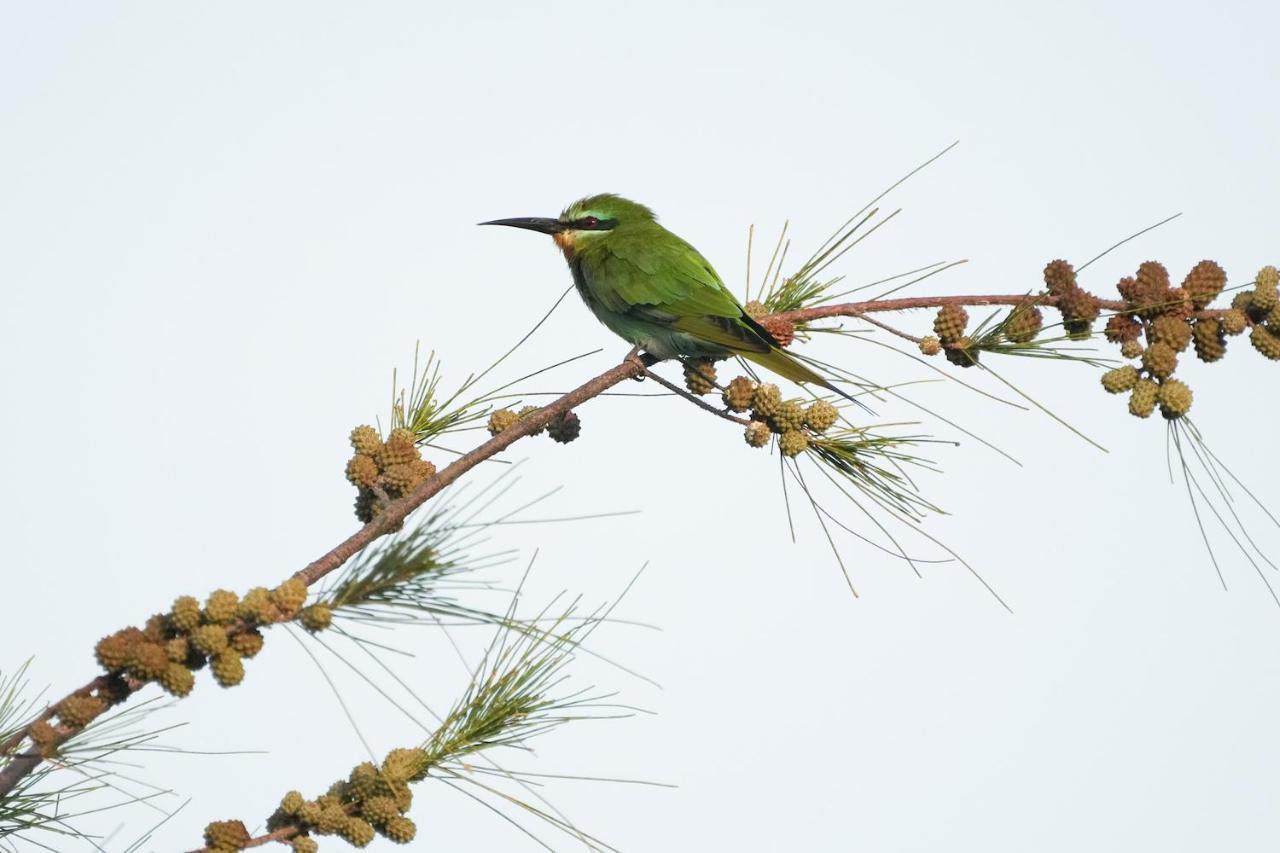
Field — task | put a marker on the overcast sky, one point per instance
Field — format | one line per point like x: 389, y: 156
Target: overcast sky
x: 223, y: 225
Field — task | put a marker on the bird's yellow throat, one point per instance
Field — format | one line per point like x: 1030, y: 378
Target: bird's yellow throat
x: 564, y: 239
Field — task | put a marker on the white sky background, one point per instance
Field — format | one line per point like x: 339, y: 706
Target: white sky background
x: 222, y: 225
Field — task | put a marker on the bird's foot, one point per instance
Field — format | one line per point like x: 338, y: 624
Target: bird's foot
x: 642, y: 360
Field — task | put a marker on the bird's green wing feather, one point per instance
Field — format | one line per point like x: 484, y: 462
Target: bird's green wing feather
x: 654, y: 275
x: 668, y: 274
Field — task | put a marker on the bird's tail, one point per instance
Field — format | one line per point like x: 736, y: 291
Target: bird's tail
x: 787, y: 366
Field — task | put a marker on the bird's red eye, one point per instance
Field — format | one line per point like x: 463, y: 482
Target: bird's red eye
x: 591, y: 222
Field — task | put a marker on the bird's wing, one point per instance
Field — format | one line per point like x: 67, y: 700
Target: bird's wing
x: 668, y: 274
x: 668, y: 281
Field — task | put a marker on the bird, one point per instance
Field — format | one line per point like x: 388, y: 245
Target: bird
x: 655, y: 290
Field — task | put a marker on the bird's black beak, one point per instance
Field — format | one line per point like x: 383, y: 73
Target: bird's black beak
x: 532, y: 223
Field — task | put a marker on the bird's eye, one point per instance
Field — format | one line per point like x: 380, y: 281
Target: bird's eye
x: 590, y: 222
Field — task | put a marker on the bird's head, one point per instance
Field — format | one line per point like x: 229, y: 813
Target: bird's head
x: 585, y: 221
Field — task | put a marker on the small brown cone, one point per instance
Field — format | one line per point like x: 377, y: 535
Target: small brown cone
x: 1210, y: 342
x: 1121, y: 328
x: 1059, y: 277
x: 782, y: 330
x: 1120, y: 380
x: 1142, y: 401
x: 962, y: 353
x: 1160, y: 359
x: 365, y: 440
x: 1234, y: 321
x: 1024, y: 323
x: 502, y: 419
x: 565, y: 427
x: 738, y: 393
x: 950, y: 323
x: 793, y: 442
x: 362, y: 470
x: 1172, y: 330
x: 1175, y: 399
x: 226, y: 835
x: 699, y: 375
x: 1204, y: 283
x: 1266, y: 342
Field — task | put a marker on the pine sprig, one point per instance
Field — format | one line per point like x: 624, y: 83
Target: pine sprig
x: 876, y: 465
x: 512, y: 696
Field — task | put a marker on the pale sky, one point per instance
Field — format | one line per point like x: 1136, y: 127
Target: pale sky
x: 223, y: 225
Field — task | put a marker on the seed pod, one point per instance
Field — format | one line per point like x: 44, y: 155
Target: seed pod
x: 317, y: 617
x: 1024, y: 323
x: 1059, y: 277
x: 177, y: 680
x: 1171, y: 330
x: 226, y: 835
x: 1234, y: 321
x: 526, y: 411
x: 738, y: 394
x: 821, y: 416
x: 1266, y: 342
x: 766, y: 400
x: 501, y: 420
x: 1204, y: 283
x: 379, y: 810
x: 209, y: 639
x: 930, y: 345
x: 356, y: 831
x: 247, y: 644
x: 398, y: 450
x: 147, y: 661
x: 793, y: 442
x: 290, y: 595
x: 565, y: 427
x: 1120, y: 380
x: 185, y: 615
x: 962, y: 353
x: 699, y: 375
x: 1160, y: 360
x: 1131, y: 349
x: 406, y: 765
x: 1210, y: 343
x: 400, y: 830
x: 1121, y: 328
x: 1079, y: 309
x: 757, y: 434
x: 1151, y: 288
x: 950, y: 323
x: 1142, y: 401
x: 221, y: 606
x: 78, y: 711
x: 291, y: 803
x: 790, y: 416
x: 362, y: 470
x: 365, y: 440
x: 228, y: 668
x: 782, y: 330
x: 1175, y: 399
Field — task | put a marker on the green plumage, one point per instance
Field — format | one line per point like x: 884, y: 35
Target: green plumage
x: 655, y: 290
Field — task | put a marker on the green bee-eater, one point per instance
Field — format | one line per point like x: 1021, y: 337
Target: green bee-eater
x: 653, y: 289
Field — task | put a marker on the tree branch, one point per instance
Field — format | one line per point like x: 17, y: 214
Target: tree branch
x: 394, y: 513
